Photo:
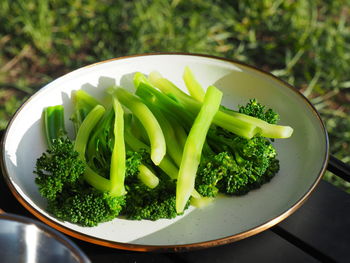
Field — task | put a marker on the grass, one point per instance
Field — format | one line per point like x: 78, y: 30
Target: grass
x: 303, y: 42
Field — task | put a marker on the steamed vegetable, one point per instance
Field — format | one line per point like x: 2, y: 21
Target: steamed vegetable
x: 193, y: 147
x: 153, y: 153
x: 74, y: 192
x: 238, y: 123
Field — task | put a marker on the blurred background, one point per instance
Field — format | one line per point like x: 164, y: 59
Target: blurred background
x: 306, y: 43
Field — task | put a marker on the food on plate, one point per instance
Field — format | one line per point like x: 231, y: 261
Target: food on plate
x: 152, y: 153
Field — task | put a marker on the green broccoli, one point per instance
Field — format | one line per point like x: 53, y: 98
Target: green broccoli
x: 255, y: 109
x: 75, y: 192
x: 57, y: 168
x: 237, y: 165
x: 143, y: 202
x: 171, y: 150
x: 221, y: 169
x: 211, y: 171
x: 84, y: 205
x: 249, y: 161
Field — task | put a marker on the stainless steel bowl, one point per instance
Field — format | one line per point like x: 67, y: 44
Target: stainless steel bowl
x: 29, y: 241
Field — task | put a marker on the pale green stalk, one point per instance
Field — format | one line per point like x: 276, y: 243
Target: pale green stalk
x: 166, y: 165
x: 149, y: 122
x: 147, y: 176
x: 194, y: 88
x: 117, y: 170
x: 81, y: 140
x: 238, y: 123
x: 194, y: 145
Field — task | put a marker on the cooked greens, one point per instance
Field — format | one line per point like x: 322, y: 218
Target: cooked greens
x: 153, y: 153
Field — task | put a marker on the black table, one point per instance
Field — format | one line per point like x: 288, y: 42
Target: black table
x: 317, y: 232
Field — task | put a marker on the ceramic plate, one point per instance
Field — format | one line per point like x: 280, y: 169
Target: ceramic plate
x: 303, y: 157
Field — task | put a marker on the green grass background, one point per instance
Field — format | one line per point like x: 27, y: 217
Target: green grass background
x: 306, y: 43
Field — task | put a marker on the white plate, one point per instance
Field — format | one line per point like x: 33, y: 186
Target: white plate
x: 303, y: 157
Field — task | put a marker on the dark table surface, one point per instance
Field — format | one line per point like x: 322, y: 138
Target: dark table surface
x: 319, y: 231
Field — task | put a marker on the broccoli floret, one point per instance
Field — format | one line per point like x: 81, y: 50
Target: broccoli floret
x: 236, y: 181
x: 133, y: 161
x: 210, y: 172
x: 75, y: 192
x: 58, y: 168
x: 245, y: 164
x: 238, y: 165
x: 222, y: 173
x: 255, y: 109
x: 143, y: 202
x: 270, y: 172
x: 84, y: 205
